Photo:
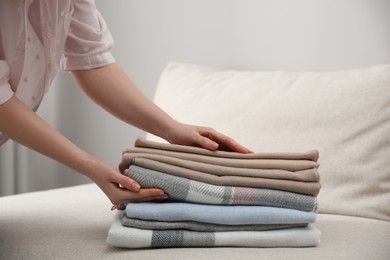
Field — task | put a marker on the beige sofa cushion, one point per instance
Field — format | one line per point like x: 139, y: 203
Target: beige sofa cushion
x: 343, y: 114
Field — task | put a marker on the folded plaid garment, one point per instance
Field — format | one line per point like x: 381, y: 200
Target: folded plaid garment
x: 128, y: 237
x: 182, y: 189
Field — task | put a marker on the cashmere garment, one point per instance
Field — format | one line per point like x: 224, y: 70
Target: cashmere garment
x: 142, y: 142
x: 182, y: 189
x: 217, y: 214
x: 309, y: 188
x: 282, y: 164
x: 199, y: 226
x: 309, y: 175
x: 128, y: 237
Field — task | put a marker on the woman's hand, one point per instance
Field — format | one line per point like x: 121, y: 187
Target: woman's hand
x: 205, y: 137
x: 15, y: 118
x: 110, y: 87
x: 121, y: 189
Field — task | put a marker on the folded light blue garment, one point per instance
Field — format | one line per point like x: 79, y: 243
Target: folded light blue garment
x: 121, y: 236
x: 217, y: 214
x: 182, y: 189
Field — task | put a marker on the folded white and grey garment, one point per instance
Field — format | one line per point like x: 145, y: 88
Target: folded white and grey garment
x: 128, y: 237
x: 182, y: 189
x: 199, y: 226
x: 217, y: 214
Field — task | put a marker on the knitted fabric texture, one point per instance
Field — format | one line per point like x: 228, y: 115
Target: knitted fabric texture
x: 199, y: 226
x: 217, y: 214
x: 182, y: 189
x: 127, y: 237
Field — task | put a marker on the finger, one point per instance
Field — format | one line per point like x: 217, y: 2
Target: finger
x: 122, y: 205
x: 230, y: 144
x: 127, y: 182
x: 208, y: 143
x: 225, y: 142
x: 126, y: 196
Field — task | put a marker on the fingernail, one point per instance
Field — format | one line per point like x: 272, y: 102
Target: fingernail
x: 135, y: 186
x: 213, y: 145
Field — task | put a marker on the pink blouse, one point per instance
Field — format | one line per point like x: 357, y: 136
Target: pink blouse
x: 38, y: 36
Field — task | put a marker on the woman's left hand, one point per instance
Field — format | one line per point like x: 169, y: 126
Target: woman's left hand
x: 205, y: 137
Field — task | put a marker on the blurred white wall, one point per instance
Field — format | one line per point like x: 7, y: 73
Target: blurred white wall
x: 240, y: 34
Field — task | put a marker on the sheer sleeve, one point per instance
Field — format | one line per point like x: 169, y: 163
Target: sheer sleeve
x: 5, y: 88
x: 89, y: 42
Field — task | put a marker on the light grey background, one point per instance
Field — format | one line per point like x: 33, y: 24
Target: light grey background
x: 290, y: 35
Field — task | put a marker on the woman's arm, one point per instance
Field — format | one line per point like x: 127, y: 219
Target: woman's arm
x: 109, y: 87
x: 25, y: 127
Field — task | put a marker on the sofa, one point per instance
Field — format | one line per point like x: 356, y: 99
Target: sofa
x: 343, y: 114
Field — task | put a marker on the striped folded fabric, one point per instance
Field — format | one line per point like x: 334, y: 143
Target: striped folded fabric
x: 130, y: 237
x: 219, y: 198
x: 200, y: 226
x: 183, y: 189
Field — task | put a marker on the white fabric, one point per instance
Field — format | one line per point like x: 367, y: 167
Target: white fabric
x: 129, y: 237
x: 343, y: 114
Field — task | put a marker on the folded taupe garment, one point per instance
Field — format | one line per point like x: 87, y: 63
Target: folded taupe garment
x: 309, y: 188
x: 310, y: 155
x: 309, y: 175
x: 282, y: 161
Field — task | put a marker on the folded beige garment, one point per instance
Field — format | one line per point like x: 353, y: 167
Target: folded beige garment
x: 251, y: 162
x: 308, y: 188
x: 312, y: 155
x: 309, y: 175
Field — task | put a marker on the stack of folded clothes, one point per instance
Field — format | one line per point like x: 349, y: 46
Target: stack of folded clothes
x: 219, y: 198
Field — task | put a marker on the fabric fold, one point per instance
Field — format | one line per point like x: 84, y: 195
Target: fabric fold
x: 217, y: 214
x: 128, y: 237
x: 311, y: 155
x: 182, y: 189
x: 282, y: 164
x: 309, y: 188
x: 281, y: 160
x: 200, y: 226
x: 308, y: 175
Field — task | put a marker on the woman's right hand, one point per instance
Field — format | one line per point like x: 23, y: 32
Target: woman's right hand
x: 121, y: 189
x: 15, y: 118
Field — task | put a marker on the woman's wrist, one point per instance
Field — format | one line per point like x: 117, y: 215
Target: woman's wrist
x: 169, y: 131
